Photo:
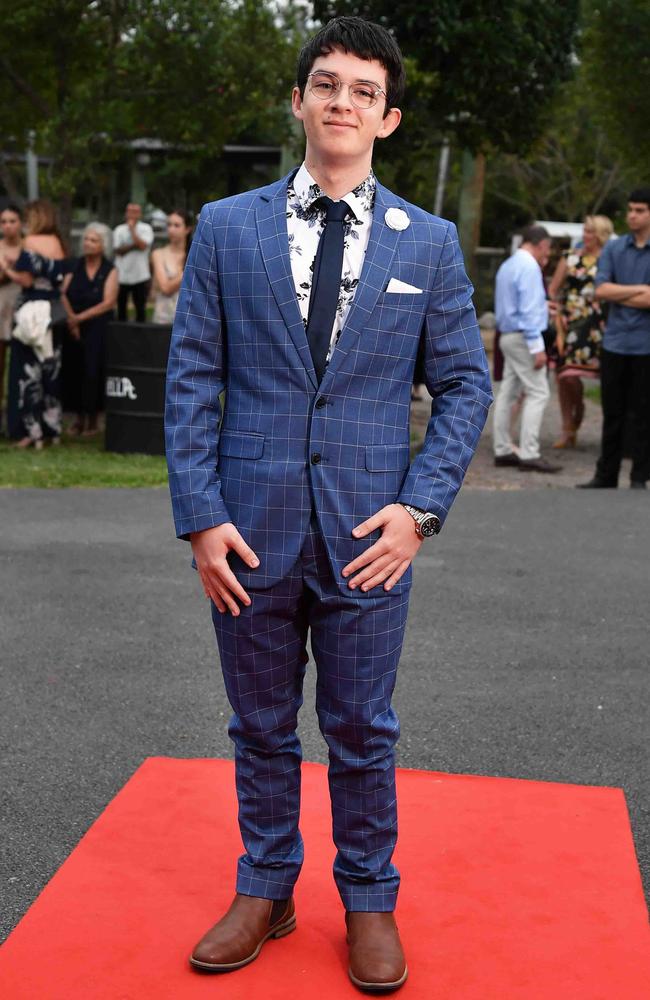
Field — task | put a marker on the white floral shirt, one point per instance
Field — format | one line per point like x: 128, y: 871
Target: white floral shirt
x: 305, y: 223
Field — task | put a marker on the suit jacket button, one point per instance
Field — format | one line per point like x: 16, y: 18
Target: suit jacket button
x: 315, y: 458
x: 321, y: 401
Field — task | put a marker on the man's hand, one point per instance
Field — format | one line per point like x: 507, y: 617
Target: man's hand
x: 389, y: 558
x: 539, y: 359
x: 210, y: 548
x: 137, y: 244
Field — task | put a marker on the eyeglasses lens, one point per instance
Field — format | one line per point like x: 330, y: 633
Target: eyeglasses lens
x: 324, y: 87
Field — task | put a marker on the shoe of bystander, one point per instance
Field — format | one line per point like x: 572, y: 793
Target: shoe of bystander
x: 597, y: 484
x: 506, y: 460
x: 538, y: 465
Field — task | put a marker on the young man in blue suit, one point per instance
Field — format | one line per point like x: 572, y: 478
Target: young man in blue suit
x: 306, y: 301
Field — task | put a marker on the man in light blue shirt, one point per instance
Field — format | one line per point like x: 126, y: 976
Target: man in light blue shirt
x: 522, y: 317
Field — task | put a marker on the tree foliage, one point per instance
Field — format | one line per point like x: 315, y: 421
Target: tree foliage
x: 572, y: 170
x: 209, y: 73
x: 56, y: 59
x: 616, y: 54
x: 493, y: 68
x: 89, y: 77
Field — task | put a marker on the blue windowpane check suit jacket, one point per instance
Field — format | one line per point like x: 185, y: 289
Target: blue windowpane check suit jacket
x: 238, y: 328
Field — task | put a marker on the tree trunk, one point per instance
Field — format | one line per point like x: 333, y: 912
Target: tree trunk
x: 8, y: 182
x: 470, y: 208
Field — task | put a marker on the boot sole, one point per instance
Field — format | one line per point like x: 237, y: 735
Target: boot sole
x: 279, y: 931
x: 379, y: 987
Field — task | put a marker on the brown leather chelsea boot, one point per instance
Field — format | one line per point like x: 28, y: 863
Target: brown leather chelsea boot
x: 238, y: 937
x: 377, y: 960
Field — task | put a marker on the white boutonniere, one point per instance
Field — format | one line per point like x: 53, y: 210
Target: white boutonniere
x: 397, y: 219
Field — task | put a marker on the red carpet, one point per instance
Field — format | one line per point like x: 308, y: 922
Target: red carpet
x: 529, y: 891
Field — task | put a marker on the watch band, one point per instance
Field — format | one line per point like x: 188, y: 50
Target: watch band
x: 426, y: 524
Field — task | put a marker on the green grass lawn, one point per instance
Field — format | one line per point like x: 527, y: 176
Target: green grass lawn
x: 78, y: 462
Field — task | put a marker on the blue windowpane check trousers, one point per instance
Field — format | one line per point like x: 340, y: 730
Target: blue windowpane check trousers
x: 356, y: 643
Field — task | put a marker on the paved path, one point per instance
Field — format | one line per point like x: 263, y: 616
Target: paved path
x: 526, y: 655
x: 578, y: 463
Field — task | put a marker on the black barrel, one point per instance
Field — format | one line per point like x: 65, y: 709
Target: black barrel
x: 136, y: 362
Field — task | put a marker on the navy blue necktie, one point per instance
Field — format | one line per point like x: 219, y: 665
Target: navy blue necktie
x: 326, y: 284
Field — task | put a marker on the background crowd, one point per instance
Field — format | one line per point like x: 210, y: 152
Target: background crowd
x: 582, y: 315
x: 591, y: 319
x: 55, y: 309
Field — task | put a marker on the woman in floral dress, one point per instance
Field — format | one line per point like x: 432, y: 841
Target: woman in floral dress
x: 35, y: 378
x: 579, y: 323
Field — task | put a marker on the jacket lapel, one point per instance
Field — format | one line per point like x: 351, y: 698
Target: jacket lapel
x: 375, y: 276
x: 274, y: 247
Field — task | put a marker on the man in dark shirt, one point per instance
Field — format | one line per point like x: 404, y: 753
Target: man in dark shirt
x: 623, y: 281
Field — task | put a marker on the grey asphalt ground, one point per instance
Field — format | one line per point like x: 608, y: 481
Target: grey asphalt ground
x: 526, y: 655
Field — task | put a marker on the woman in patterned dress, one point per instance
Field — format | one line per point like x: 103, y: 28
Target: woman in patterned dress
x: 35, y: 382
x: 579, y: 323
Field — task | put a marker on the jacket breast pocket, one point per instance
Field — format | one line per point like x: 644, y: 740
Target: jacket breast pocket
x: 241, y: 444
x: 387, y: 457
x: 402, y: 298
x: 397, y: 312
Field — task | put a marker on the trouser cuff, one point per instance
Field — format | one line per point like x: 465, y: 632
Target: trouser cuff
x: 372, y: 898
x: 267, y: 883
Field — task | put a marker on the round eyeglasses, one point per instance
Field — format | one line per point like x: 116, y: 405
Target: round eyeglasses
x: 325, y: 86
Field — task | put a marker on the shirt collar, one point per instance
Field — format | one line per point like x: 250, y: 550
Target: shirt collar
x: 361, y: 200
x: 526, y: 254
x: 631, y: 242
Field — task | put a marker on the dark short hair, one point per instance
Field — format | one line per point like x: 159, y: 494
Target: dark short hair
x: 535, y: 235
x: 11, y: 207
x: 363, y: 39
x: 641, y: 194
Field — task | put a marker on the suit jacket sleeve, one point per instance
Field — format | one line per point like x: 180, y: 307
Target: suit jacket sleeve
x: 456, y: 375
x: 195, y: 379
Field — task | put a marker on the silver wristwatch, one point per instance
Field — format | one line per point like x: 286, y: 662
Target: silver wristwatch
x: 426, y: 524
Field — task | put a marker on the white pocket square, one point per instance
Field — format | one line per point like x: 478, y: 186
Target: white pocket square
x: 395, y: 285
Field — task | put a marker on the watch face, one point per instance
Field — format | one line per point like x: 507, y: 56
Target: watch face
x: 431, y: 526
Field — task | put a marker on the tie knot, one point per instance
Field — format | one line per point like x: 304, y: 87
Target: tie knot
x: 336, y: 211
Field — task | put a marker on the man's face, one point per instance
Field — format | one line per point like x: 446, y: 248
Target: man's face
x: 133, y: 212
x: 10, y: 225
x: 542, y: 252
x: 335, y: 129
x: 638, y: 216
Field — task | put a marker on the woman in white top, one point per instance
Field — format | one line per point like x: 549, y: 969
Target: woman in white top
x: 167, y: 264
